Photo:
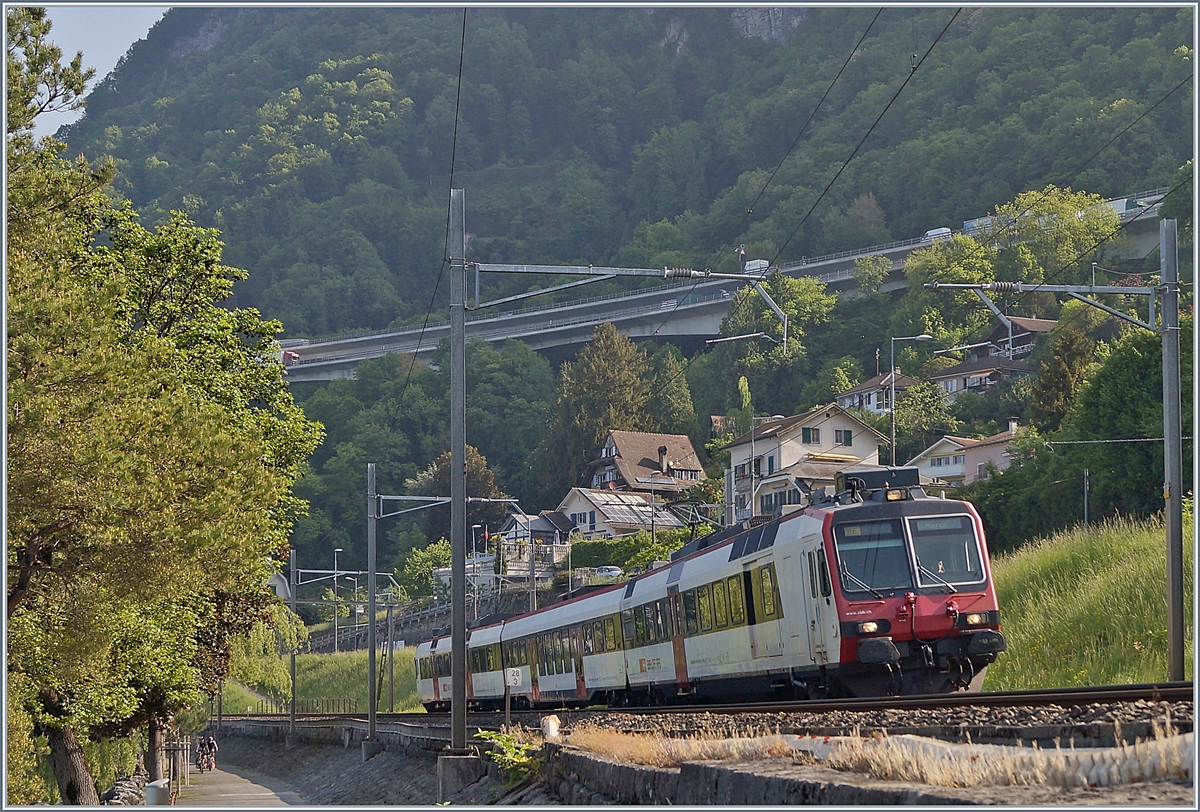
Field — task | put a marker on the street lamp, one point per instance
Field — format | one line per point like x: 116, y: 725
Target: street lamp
x: 892, y: 374
x: 336, y: 550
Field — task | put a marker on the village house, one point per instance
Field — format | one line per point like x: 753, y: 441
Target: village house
x: 1016, y: 337
x: 979, y: 374
x: 643, y: 462
x: 550, y: 533
x: 609, y: 514
x: 780, y: 461
x: 875, y: 394
x: 961, y: 461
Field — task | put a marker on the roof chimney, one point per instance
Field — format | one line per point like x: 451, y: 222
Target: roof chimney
x: 1012, y: 425
x: 662, y: 458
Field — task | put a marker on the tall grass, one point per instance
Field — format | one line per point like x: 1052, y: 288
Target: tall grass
x: 344, y: 675
x: 336, y: 676
x: 1089, y: 607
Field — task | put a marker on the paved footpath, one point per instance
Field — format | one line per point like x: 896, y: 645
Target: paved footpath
x: 234, y: 786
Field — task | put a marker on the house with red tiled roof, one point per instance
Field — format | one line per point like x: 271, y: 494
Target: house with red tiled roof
x: 978, y: 374
x: 964, y: 460
x: 875, y: 395
x: 643, y: 462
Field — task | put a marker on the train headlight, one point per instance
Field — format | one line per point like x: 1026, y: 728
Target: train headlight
x: 868, y: 627
x: 895, y: 495
x: 976, y: 618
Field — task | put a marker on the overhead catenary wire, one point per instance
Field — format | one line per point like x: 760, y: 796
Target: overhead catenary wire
x: 462, y: 48
x: 750, y: 210
x: 804, y: 129
x: 863, y: 140
x: 1041, y: 195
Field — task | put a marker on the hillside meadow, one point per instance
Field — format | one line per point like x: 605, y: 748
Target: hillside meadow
x: 1089, y: 607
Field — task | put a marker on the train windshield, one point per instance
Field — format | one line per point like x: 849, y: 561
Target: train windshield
x: 947, y: 551
x: 873, y: 556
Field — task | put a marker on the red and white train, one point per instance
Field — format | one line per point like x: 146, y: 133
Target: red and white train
x: 880, y: 590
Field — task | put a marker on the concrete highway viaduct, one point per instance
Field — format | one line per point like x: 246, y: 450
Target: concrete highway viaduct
x: 679, y: 310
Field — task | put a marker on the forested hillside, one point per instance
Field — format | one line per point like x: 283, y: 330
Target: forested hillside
x: 319, y: 140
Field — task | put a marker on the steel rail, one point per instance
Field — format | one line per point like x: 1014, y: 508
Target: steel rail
x: 1151, y: 692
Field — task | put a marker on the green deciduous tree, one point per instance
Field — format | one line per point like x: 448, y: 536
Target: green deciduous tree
x: 152, y: 446
x: 922, y: 416
x: 870, y: 271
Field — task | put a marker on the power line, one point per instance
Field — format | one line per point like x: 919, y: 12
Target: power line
x: 874, y: 124
x: 1095, y: 442
x: 462, y: 48
x: 804, y: 129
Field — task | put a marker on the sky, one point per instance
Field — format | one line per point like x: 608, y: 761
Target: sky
x: 104, y: 33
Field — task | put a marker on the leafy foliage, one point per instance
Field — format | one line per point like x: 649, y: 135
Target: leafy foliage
x: 518, y: 759
x: 152, y: 443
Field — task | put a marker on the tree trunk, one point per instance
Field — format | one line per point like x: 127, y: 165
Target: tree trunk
x: 75, y: 784
x: 156, y: 764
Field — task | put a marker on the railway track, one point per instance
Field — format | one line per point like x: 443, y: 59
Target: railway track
x: 1177, y: 692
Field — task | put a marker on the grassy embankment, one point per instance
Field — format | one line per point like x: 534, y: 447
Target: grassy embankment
x: 339, y: 676
x: 1089, y: 607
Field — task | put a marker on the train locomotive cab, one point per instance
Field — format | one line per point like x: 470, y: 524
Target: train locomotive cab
x: 911, y: 579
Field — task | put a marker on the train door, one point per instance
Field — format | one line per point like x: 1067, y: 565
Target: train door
x: 793, y: 583
x: 577, y: 660
x: 762, y: 592
x: 820, y: 602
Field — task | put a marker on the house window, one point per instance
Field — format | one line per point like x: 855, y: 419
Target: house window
x: 770, y: 465
x: 843, y: 437
x: 982, y: 471
x: 592, y: 521
x: 949, y: 385
x: 959, y: 459
x: 810, y: 436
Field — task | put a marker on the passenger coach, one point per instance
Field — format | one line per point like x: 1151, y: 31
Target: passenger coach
x: 879, y: 590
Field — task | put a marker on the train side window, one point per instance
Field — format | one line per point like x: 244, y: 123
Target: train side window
x: 651, y: 627
x: 812, y: 574
x: 528, y: 652
x: 689, y: 612
x: 588, y: 645
x: 737, y: 602
x: 610, y: 634
x: 720, y: 605
x: 704, y: 607
x: 639, y: 626
x: 676, y: 615
x: 661, y: 619
x: 767, y: 579
x: 627, y: 626
x: 823, y: 575
x: 597, y: 637
x: 568, y: 649
x: 493, y: 658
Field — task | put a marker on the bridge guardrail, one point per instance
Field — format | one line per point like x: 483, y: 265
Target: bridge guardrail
x: 787, y: 268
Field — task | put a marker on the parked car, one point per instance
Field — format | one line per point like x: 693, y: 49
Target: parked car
x: 609, y: 572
